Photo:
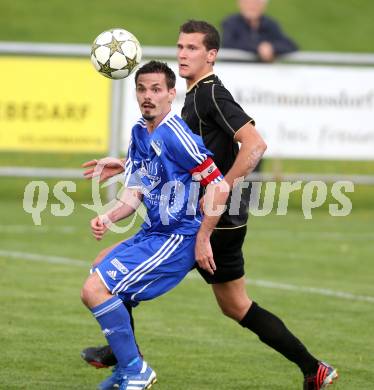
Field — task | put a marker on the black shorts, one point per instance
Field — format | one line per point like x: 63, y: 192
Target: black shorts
x: 228, y: 255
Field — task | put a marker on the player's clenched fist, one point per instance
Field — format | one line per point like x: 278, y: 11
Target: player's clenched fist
x: 99, y: 225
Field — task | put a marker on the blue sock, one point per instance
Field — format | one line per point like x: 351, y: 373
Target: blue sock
x: 115, y: 324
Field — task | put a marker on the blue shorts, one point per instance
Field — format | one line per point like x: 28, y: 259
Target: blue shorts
x: 147, y: 265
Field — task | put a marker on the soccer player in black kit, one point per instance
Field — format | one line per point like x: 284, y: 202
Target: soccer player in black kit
x: 211, y: 112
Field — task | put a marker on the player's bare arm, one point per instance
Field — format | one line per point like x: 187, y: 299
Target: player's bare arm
x: 251, y: 151
x: 126, y: 205
x: 104, y: 168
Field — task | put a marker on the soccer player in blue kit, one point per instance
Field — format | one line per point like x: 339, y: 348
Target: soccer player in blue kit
x: 165, y: 158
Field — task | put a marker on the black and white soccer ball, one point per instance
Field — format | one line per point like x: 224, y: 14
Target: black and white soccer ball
x: 116, y: 53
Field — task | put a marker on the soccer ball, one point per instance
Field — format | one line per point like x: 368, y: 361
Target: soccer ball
x: 116, y: 53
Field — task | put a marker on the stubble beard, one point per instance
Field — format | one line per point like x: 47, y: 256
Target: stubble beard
x: 149, y: 118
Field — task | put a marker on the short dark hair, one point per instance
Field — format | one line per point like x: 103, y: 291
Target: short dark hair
x: 211, y: 35
x: 157, y: 67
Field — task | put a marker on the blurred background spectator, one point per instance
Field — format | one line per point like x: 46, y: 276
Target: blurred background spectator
x: 252, y: 31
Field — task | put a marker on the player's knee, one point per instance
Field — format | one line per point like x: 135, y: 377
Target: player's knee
x: 85, y: 293
x: 235, y: 310
x: 88, y: 290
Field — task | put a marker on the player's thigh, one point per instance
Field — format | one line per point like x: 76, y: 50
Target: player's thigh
x: 144, y: 269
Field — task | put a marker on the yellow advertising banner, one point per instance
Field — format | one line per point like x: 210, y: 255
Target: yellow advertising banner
x: 53, y: 105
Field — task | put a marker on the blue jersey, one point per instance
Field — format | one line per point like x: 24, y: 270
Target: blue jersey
x: 167, y: 166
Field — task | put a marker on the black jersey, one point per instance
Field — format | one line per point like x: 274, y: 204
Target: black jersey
x: 211, y: 111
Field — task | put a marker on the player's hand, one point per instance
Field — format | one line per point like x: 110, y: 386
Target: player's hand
x: 99, y: 225
x: 204, y: 253
x: 104, y: 168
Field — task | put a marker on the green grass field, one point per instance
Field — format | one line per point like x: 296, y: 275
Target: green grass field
x: 317, y: 275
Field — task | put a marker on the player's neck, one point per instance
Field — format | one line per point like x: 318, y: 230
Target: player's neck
x: 192, y: 82
x: 155, y: 122
x: 151, y: 125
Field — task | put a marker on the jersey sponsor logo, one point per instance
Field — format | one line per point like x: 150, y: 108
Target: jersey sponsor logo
x: 121, y: 268
x: 112, y: 274
x: 150, y: 170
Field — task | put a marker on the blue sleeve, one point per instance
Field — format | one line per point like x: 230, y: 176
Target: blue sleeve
x: 191, y: 155
x: 186, y: 148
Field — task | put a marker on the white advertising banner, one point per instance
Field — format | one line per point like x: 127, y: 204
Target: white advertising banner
x: 311, y: 112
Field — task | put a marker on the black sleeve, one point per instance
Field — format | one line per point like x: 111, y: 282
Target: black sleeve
x: 225, y: 111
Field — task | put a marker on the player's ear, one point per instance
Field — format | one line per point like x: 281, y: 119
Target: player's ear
x: 172, y: 93
x: 212, y: 55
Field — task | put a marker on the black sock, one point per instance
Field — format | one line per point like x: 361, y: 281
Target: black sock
x: 273, y: 332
